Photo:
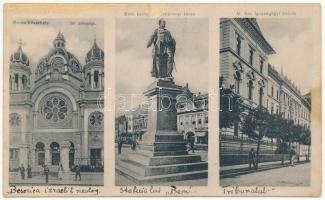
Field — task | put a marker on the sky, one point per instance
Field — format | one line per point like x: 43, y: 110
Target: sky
x: 37, y: 40
x: 134, y: 61
x: 293, y: 41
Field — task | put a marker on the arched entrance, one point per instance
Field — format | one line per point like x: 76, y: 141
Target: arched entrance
x: 40, y: 153
x: 71, y: 155
x: 55, y: 153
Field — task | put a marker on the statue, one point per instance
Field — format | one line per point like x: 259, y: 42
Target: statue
x: 163, y: 51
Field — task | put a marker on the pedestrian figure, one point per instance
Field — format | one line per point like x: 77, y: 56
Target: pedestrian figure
x: 252, y: 158
x: 46, y: 172
x: 119, y: 145
x: 29, y: 172
x: 134, y: 143
x: 292, y: 157
x: 60, y: 170
x: 190, y: 141
x: 192, y: 144
x: 77, y: 171
x: 22, y: 171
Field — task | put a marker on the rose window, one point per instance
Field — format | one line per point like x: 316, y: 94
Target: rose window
x: 14, y: 120
x: 96, y: 119
x: 55, y: 109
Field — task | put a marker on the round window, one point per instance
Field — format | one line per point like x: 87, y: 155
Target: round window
x: 96, y: 119
x: 55, y: 109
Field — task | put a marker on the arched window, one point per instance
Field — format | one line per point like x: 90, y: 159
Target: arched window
x: 24, y: 81
x: 10, y: 82
x: 71, y: 155
x: 261, y: 65
x: 89, y: 79
x: 96, y: 79
x: 251, y: 56
x: 237, y: 82
x: 40, y: 153
x: 16, y: 82
x: 238, y: 45
x: 261, y: 96
x: 55, y: 153
x: 250, y: 89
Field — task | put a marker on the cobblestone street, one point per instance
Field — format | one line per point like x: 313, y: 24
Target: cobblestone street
x: 286, y: 176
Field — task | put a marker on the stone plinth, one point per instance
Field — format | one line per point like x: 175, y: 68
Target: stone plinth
x: 161, y: 156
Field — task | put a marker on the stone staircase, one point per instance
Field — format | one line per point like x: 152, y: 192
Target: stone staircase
x: 161, y: 161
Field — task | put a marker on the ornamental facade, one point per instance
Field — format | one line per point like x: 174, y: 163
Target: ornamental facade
x: 244, y: 68
x: 56, y: 109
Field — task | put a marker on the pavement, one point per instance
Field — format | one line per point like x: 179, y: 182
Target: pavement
x: 297, y: 176
x: 89, y: 179
x: 121, y: 180
x: 235, y: 170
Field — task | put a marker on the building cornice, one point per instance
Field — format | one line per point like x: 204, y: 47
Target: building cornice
x: 255, y: 34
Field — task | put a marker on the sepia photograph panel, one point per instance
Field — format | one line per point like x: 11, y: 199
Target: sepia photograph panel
x: 56, y: 102
x: 265, y: 100
x: 161, y: 108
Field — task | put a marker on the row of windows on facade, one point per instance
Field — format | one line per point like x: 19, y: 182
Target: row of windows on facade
x: 251, y: 62
x: 296, y: 114
x: 21, y: 82
x: 261, y: 92
x: 250, y: 86
x: 251, y: 54
x: 18, y: 82
x: 194, y: 122
x: 272, y: 93
x: 288, y: 101
x: 97, y: 79
x: 95, y: 154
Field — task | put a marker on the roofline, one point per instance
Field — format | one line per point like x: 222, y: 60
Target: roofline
x: 268, y: 48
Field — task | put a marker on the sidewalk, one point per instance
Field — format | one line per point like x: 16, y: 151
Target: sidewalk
x: 87, y: 179
x: 298, y: 176
x: 235, y: 170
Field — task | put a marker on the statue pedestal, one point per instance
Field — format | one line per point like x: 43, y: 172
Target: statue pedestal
x: 162, y: 156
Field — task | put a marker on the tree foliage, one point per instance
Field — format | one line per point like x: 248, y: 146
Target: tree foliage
x: 259, y: 123
x: 230, y: 108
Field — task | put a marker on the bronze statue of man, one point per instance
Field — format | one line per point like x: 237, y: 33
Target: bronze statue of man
x: 163, y: 51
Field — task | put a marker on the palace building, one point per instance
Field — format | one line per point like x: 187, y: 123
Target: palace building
x: 244, y: 67
x: 56, y: 108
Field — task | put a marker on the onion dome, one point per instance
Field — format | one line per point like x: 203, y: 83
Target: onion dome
x: 95, y: 53
x: 19, y: 56
x: 59, y: 41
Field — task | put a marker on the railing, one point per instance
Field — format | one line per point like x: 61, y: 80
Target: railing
x: 240, y: 138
